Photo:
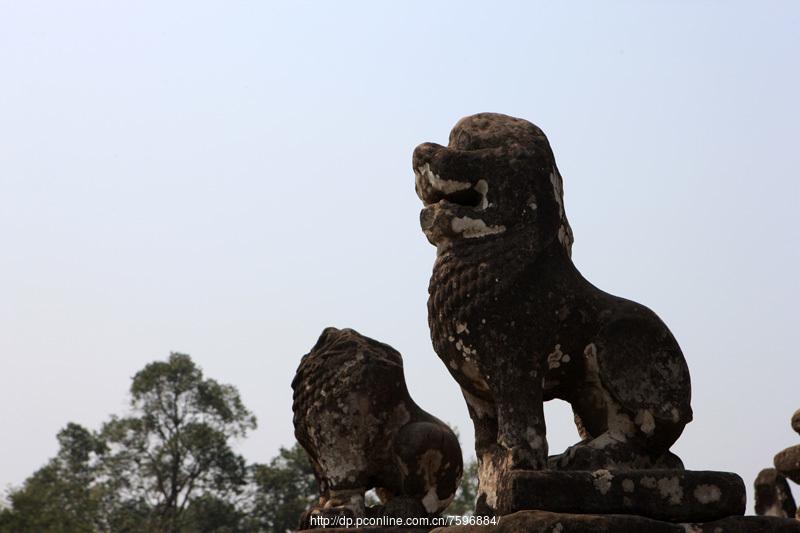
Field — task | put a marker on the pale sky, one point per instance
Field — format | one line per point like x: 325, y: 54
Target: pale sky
x: 225, y: 179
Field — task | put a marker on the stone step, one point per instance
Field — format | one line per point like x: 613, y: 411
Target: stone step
x: 667, y: 495
x: 546, y: 522
x: 364, y: 530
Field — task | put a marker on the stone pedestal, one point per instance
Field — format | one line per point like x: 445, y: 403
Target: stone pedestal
x: 635, y: 501
x: 365, y: 530
x: 669, y: 495
x: 546, y: 522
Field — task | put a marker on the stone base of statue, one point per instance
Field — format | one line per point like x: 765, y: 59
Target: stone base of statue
x: 547, y: 522
x: 368, y: 530
x: 621, y: 501
x: 669, y: 495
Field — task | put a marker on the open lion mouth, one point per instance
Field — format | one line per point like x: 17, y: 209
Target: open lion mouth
x: 432, y: 189
x: 466, y: 198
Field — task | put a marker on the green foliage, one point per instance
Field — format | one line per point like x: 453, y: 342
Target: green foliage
x: 464, y: 501
x: 210, y: 514
x: 62, y: 496
x: 284, y: 489
x: 174, y: 448
x: 166, y: 467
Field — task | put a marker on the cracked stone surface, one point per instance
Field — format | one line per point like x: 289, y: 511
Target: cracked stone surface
x: 516, y: 324
x: 355, y: 418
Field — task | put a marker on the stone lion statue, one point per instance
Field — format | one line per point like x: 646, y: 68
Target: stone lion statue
x: 361, y: 429
x: 517, y: 324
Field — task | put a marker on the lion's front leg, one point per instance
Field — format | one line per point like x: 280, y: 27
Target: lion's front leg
x: 521, y: 430
x: 520, y: 442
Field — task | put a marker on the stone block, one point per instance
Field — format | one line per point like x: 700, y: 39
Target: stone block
x: 547, y: 522
x: 669, y: 495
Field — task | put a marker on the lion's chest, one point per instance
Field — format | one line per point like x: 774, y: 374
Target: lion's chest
x: 472, y: 306
x: 500, y: 312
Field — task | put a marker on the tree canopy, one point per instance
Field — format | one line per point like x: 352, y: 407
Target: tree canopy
x: 167, y: 466
x: 284, y: 489
x: 174, y: 447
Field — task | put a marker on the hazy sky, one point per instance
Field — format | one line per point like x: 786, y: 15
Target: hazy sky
x: 225, y: 179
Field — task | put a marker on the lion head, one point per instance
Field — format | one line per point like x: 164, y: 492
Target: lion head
x: 496, y: 177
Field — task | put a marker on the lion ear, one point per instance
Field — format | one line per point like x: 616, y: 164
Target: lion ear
x: 325, y: 337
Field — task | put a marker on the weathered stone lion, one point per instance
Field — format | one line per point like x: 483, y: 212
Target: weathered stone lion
x: 517, y: 324
x: 361, y: 429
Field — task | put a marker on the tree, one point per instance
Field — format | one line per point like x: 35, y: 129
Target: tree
x: 167, y: 467
x: 283, y: 490
x: 62, y: 496
x: 174, y: 449
x: 464, y: 501
x: 210, y: 514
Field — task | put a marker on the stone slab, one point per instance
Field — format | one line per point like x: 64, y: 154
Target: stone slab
x: 364, y: 530
x: 668, y: 495
x: 747, y: 524
x: 546, y: 522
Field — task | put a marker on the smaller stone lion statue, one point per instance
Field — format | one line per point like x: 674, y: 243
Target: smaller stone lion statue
x: 354, y: 417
